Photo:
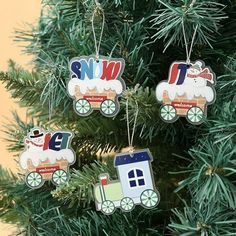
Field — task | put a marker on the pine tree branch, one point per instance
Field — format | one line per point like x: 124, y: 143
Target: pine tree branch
x: 205, y: 219
x: 168, y: 21
x: 211, y: 173
x: 63, y: 32
x: 79, y: 190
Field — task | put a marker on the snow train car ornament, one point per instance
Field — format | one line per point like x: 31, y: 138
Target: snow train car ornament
x: 188, y: 92
x: 96, y: 84
x: 47, y: 156
x: 135, y: 184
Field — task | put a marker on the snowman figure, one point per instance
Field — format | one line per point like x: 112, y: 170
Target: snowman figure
x: 198, y: 77
x: 36, y: 140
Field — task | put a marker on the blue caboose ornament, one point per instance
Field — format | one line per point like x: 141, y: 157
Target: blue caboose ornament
x: 135, y: 185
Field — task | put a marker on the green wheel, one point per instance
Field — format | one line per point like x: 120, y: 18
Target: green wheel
x: 149, y: 198
x: 34, y: 179
x: 108, y: 207
x: 108, y: 107
x: 59, y: 177
x: 195, y: 115
x: 127, y: 204
x: 83, y: 107
x: 168, y: 113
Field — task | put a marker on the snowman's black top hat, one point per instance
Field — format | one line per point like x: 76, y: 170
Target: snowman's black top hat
x: 36, y: 134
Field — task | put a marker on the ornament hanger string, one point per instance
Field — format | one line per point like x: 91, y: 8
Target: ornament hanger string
x: 192, y: 3
x: 131, y: 137
x: 98, y: 9
x: 188, y: 52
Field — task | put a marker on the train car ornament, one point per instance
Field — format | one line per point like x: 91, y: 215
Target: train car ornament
x: 96, y: 84
x: 188, y: 92
x: 135, y: 184
x: 47, y: 156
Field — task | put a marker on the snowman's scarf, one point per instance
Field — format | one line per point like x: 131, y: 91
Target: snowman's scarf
x: 31, y: 142
x: 204, y: 74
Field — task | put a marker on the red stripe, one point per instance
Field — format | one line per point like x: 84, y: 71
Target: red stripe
x: 46, y: 141
x: 95, y: 98
x: 183, y: 105
x: 173, y: 73
x: 47, y: 169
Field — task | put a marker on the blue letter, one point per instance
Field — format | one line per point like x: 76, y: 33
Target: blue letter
x: 182, y: 73
x: 86, y: 68
x: 75, y: 68
x: 55, y: 142
x: 65, y: 140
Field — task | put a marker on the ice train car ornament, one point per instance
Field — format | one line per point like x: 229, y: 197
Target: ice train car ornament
x: 188, y: 92
x: 47, y: 156
x: 135, y: 184
x: 96, y: 84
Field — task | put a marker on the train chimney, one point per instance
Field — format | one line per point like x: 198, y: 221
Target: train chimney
x: 103, y: 179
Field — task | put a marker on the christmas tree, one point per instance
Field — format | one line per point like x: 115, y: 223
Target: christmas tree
x: 194, y: 166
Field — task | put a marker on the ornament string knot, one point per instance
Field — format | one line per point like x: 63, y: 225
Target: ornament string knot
x: 202, y: 226
x: 98, y: 10
x: 98, y: 4
x: 131, y: 137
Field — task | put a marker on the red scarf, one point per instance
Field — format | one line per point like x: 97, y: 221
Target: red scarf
x: 204, y: 74
x: 46, y: 142
x: 35, y: 144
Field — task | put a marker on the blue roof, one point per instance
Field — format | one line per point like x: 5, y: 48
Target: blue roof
x: 137, y: 156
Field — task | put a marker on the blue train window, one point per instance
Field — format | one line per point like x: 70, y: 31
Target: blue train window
x: 139, y: 173
x: 141, y: 182
x: 132, y: 183
x: 131, y: 174
x: 136, y: 178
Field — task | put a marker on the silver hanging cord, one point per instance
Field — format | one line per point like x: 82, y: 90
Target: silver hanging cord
x: 98, y: 9
x: 131, y: 137
x: 50, y: 105
x: 188, y: 52
x: 192, y: 3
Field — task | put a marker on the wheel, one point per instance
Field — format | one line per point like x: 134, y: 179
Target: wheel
x: 108, y: 107
x: 127, y: 204
x: 195, y: 115
x: 108, y: 207
x: 149, y: 198
x: 34, y: 179
x: 59, y: 177
x: 168, y: 113
x: 83, y: 107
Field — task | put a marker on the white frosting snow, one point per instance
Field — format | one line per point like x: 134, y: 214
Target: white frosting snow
x: 51, y: 155
x: 90, y: 84
x: 185, y: 89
